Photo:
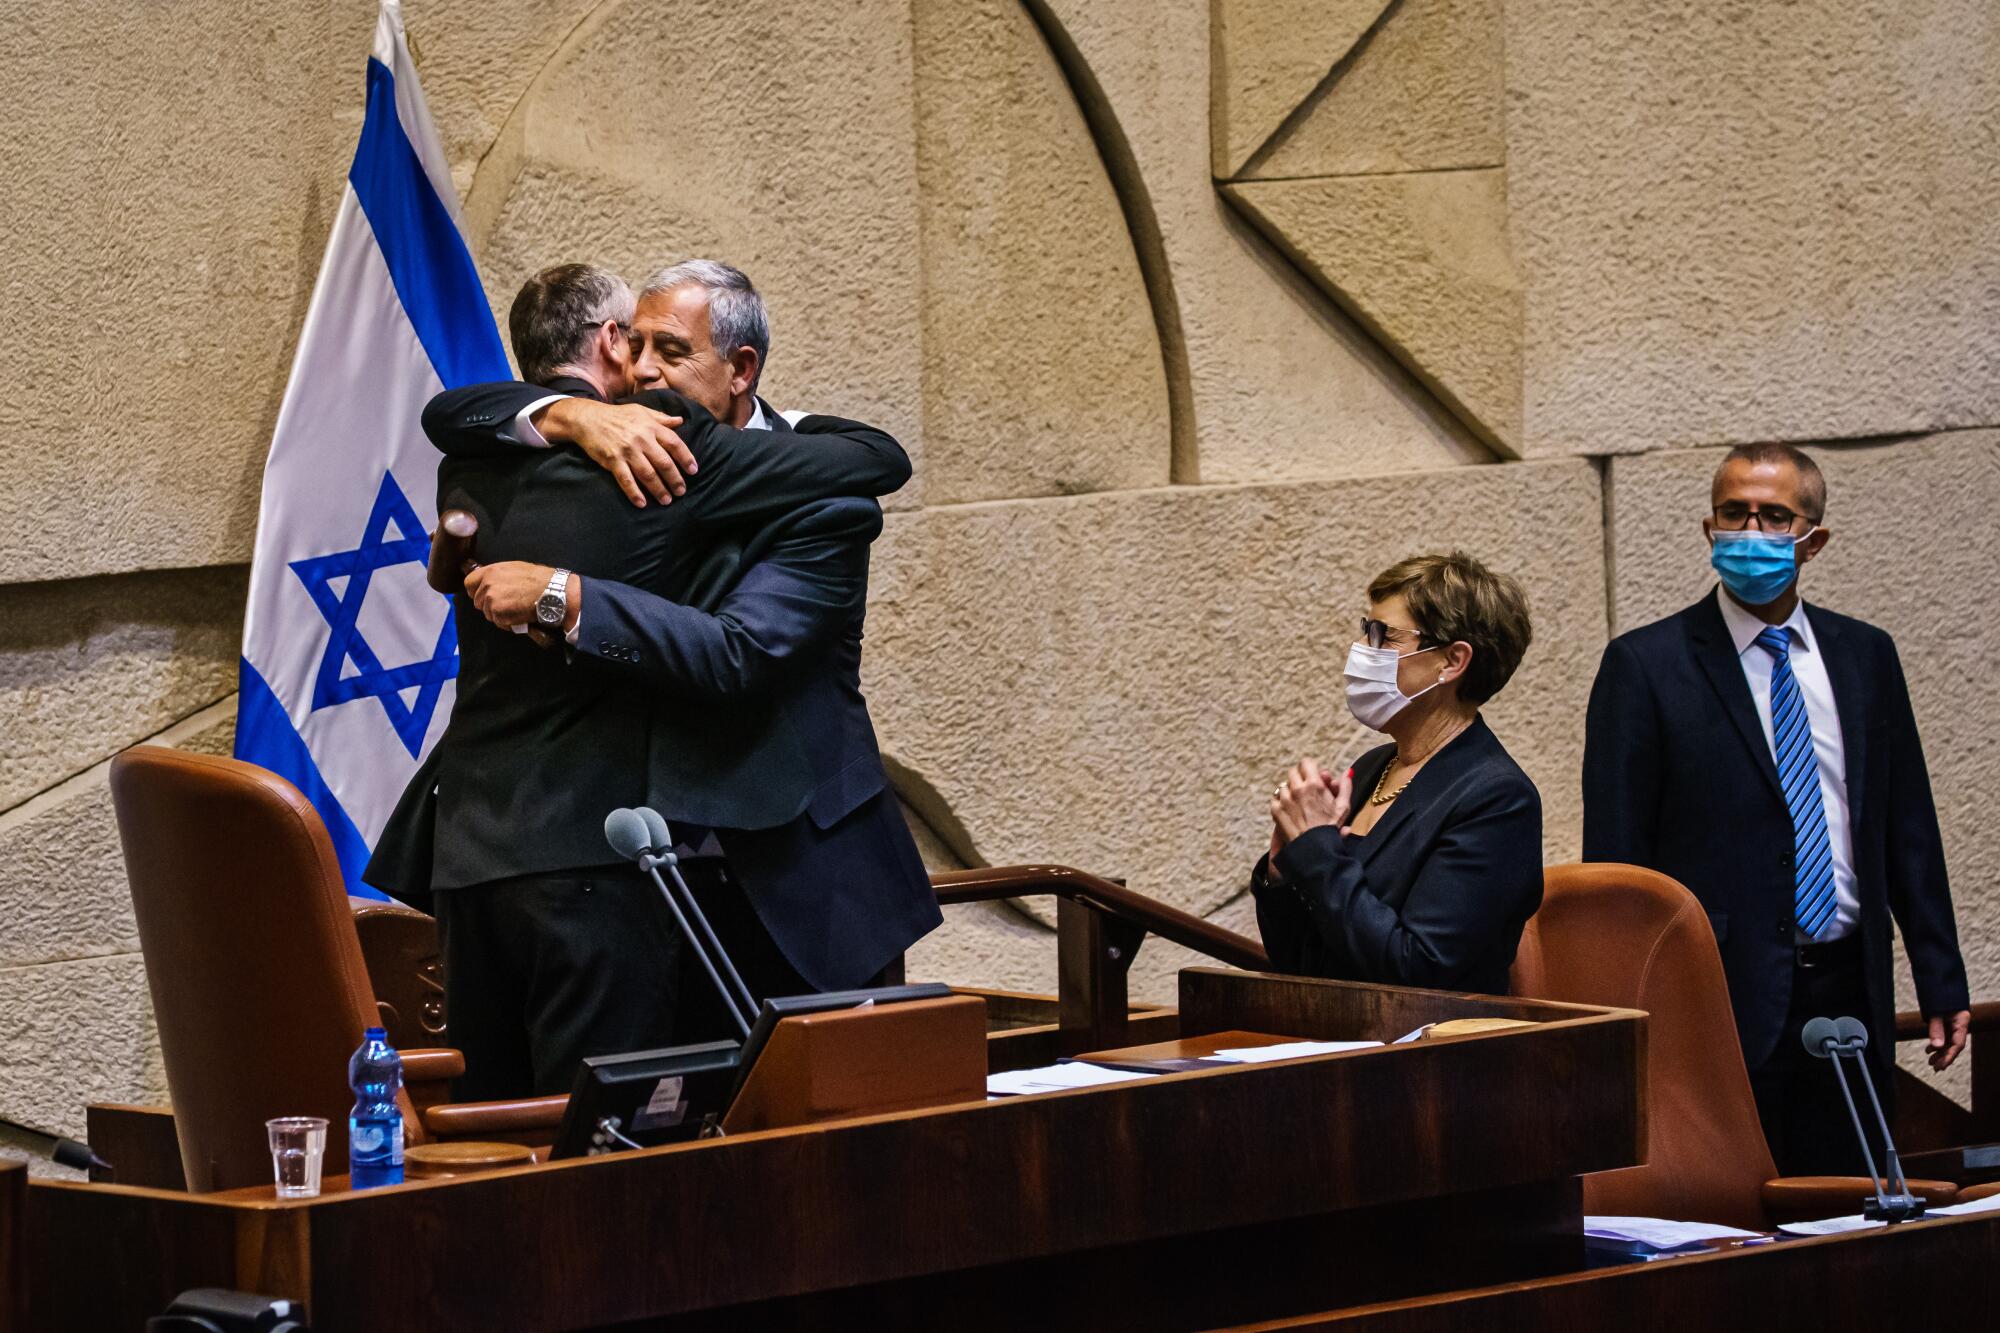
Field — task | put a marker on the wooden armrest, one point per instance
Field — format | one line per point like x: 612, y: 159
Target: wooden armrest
x: 1804, y: 1198
x: 532, y: 1120
x: 1913, y: 1026
x: 437, y: 1064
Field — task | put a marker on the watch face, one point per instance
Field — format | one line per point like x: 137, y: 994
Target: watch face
x: 549, y: 610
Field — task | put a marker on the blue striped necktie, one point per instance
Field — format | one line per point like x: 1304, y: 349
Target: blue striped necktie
x: 1798, y: 774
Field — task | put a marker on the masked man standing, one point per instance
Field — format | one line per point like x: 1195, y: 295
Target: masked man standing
x: 1763, y: 752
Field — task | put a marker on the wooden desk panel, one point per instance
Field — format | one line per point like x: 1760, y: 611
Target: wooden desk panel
x: 1332, y: 1147
x: 13, y: 1247
x: 1943, y: 1274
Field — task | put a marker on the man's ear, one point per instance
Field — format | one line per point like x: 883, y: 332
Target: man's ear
x: 743, y: 364
x: 1814, y: 543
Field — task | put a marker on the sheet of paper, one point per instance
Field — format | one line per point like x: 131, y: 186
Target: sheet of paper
x: 1659, y: 1232
x: 1412, y: 1035
x: 1057, y: 1078
x: 1289, y: 1050
x: 1831, y: 1226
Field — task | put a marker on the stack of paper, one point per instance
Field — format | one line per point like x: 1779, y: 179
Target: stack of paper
x: 1645, y: 1237
x: 1289, y: 1050
x: 1834, y: 1226
x: 1056, y: 1078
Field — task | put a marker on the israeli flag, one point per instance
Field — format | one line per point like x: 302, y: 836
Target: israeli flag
x: 349, y: 658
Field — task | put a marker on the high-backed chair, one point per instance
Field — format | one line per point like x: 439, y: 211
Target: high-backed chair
x: 258, y: 984
x: 1623, y: 936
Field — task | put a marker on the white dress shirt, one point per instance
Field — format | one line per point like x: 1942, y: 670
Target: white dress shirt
x: 1829, y: 748
x: 523, y: 431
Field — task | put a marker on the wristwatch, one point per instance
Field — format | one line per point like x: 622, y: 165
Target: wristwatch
x: 552, y: 607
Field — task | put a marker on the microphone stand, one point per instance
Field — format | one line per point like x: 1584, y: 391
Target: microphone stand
x: 735, y: 995
x: 1892, y: 1200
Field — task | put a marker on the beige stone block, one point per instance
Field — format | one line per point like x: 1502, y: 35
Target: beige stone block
x: 1741, y: 222
x: 63, y: 892
x: 1422, y: 260
x: 1423, y: 91
x: 993, y: 945
x: 165, y: 231
x: 1113, y: 682
x: 1912, y: 537
x: 626, y: 150
x: 1269, y: 58
x: 77, y: 1032
x: 88, y: 666
x: 1042, y: 371
x: 1279, y: 383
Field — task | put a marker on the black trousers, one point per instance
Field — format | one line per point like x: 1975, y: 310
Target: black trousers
x: 1798, y: 1095
x: 544, y: 971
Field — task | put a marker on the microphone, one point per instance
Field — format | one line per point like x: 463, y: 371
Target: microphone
x: 61, y: 1151
x: 642, y: 835
x: 1830, y: 1039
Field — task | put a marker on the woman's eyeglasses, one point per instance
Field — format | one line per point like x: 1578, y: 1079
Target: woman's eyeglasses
x: 1380, y: 634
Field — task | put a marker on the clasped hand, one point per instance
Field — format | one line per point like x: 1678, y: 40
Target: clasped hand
x: 1309, y: 797
x: 506, y: 593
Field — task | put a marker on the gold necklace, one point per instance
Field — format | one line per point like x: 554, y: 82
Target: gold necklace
x: 1378, y: 798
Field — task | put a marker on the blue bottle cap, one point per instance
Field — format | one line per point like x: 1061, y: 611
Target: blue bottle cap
x: 374, y: 1034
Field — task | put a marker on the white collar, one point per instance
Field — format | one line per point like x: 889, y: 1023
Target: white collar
x: 757, y: 421
x: 1744, y: 627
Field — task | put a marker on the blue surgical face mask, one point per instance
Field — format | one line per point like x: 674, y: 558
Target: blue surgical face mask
x: 1756, y: 567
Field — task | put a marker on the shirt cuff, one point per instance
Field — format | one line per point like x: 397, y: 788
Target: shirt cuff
x: 522, y: 430
x: 573, y: 635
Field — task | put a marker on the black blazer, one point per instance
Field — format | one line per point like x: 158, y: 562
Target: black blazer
x: 1438, y: 892
x: 539, y: 748
x: 841, y: 887
x: 1677, y: 777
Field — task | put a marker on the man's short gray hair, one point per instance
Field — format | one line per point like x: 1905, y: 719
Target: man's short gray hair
x: 736, y: 314
x: 558, y: 311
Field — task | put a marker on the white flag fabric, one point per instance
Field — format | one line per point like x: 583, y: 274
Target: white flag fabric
x: 349, y: 659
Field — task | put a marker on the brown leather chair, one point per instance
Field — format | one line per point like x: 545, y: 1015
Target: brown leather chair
x: 258, y: 984
x: 1623, y: 936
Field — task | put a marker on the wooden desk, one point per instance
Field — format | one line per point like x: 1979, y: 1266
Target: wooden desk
x: 1182, y: 1201
x: 1939, y: 1274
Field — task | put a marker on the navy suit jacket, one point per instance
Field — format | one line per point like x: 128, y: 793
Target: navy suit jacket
x: 841, y: 888
x: 1438, y: 892
x: 1677, y: 777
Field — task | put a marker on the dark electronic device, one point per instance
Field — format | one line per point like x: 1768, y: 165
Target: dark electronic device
x: 217, y: 1310
x: 647, y: 1098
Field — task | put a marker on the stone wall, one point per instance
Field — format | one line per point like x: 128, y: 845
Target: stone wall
x: 1194, y: 314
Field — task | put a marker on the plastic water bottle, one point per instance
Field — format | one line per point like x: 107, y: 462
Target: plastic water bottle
x: 375, y: 1126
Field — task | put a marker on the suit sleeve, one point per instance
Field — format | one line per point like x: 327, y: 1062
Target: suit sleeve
x: 1480, y: 883
x: 1621, y: 763
x: 752, y: 476
x: 785, y: 610
x: 471, y: 422
x: 1919, y: 891
x: 1282, y: 922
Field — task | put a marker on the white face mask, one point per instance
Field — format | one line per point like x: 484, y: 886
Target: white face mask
x: 1373, y: 695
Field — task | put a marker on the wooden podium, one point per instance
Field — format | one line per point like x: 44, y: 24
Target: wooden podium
x: 1190, y: 1200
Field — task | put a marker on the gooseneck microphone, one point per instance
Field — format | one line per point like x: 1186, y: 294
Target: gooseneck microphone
x: 642, y: 835
x: 61, y: 1151
x: 1830, y: 1039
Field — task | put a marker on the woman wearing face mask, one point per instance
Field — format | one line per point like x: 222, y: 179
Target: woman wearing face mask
x: 1419, y: 866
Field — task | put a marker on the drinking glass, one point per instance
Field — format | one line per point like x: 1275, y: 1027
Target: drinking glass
x: 298, y: 1151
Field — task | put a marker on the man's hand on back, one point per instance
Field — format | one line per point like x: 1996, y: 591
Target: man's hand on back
x: 631, y: 441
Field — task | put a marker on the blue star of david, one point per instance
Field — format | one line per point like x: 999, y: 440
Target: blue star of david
x: 343, y: 613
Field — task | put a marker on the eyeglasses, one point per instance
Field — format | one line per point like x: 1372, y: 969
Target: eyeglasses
x: 1378, y: 633
x: 1736, y: 516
